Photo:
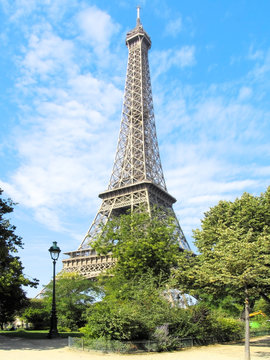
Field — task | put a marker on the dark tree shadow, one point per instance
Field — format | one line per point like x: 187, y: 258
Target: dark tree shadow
x: 16, y: 343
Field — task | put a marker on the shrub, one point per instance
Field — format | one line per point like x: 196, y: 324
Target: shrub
x: 227, y: 329
x: 114, y: 321
x: 164, y: 341
x: 37, y: 314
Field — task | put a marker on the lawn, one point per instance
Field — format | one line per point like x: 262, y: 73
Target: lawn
x: 36, y: 334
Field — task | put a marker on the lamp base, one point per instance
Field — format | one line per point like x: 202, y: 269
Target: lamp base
x: 53, y: 334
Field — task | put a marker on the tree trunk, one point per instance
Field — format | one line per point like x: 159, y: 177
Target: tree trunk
x: 247, y: 332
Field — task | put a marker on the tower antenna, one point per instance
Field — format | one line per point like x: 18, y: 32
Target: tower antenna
x: 138, y: 15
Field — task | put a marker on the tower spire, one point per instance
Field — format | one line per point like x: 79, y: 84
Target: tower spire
x: 138, y: 15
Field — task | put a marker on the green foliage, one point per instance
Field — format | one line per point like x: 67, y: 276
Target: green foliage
x: 234, y: 253
x: 234, y: 249
x: 140, y: 242
x: 74, y: 294
x: 264, y: 306
x: 140, y: 309
x: 226, y: 306
x: 104, y: 344
x: 163, y: 341
x: 227, y: 329
x: 136, y: 303
x: 12, y: 296
x: 130, y: 309
x: 37, y: 313
x: 113, y: 321
x: 202, y: 323
x: 146, y: 249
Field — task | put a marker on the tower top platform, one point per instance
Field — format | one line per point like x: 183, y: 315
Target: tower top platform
x: 138, y: 33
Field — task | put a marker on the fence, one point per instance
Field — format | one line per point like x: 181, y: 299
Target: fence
x: 104, y: 345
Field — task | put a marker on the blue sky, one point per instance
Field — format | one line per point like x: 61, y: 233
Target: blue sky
x: 63, y: 66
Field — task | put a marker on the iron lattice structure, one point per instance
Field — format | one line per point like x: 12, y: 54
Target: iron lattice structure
x: 137, y: 177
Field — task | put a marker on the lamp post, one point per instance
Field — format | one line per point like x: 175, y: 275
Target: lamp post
x: 54, y: 252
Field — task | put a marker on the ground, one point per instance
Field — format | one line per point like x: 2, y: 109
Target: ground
x: 17, y: 348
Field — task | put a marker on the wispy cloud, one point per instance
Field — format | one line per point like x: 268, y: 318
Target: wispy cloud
x: 164, y: 60
x: 173, y: 27
x: 206, y: 134
x: 245, y: 93
x: 97, y: 27
x: 46, y: 55
x: 61, y: 134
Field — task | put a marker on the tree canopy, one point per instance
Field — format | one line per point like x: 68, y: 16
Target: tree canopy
x: 234, y: 245
x: 140, y: 242
x: 234, y: 251
x: 12, y: 296
x: 74, y: 294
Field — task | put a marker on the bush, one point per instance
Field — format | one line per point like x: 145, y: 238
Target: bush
x: 227, y: 329
x: 37, y: 314
x: 105, y: 345
x: 194, y: 322
x: 164, y: 341
x: 128, y: 320
x: 132, y: 310
x: 200, y: 323
x: 114, y: 321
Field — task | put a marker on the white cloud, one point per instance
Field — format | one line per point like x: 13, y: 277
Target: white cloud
x: 46, y: 55
x: 20, y: 8
x: 173, y: 27
x: 65, y: 151
x: 199, y: 181
x: 244, y: 93
x: 163, y: 60
x: 262, y: 170
x: 262, y: 68
x: 206, y: 151
x: 67, y: 136
x: 255, y: 54
x: 97, y: 27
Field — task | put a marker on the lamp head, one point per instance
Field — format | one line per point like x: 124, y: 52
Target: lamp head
x: 54, y: 251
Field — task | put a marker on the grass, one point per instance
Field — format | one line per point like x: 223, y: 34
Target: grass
x: 36, y: 334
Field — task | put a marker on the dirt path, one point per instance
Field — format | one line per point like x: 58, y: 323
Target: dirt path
x: 22, y: 349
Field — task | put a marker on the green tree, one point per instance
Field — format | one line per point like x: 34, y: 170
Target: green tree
x: 130, y: 310
x: 139, y: 243
x: 138, y: 302
x: 234, y: 249
x: 146, y: 249
x: 139, y: 308
x: 74, y: 294
x: 12, y: 296
x: 37, y: 314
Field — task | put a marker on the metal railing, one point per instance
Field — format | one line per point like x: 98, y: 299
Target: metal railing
x: 104, y: 345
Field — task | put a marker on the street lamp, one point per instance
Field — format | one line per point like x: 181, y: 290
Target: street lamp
x: 54, y: 252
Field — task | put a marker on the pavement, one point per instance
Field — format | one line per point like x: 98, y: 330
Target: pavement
x: 57, y: 349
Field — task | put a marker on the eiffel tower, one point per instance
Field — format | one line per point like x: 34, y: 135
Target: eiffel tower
x: 137, y: 176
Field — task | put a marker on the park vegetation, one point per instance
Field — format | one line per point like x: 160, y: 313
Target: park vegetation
x: 12, y: 279
x: 158, y: 292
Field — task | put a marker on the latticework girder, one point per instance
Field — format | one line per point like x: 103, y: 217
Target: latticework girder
x: 137, y: 177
